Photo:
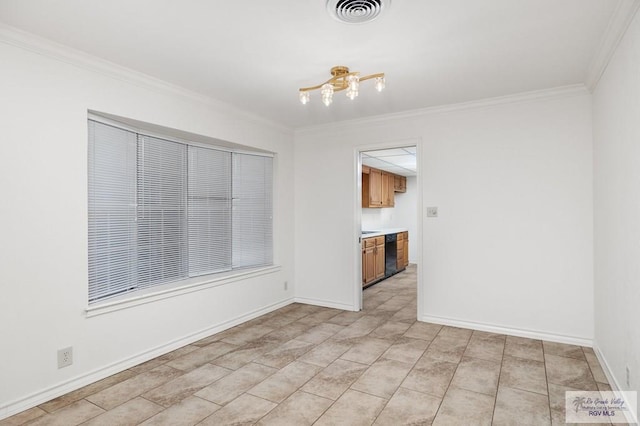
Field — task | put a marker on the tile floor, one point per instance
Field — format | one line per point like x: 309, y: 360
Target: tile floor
x: 304, y: 365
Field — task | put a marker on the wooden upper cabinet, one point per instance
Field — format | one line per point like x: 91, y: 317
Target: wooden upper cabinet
x: 387, y: 190
x: 399, y: 183
x: 372, y: 188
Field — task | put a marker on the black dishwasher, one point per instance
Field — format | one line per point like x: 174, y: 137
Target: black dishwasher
x: 390, y: 254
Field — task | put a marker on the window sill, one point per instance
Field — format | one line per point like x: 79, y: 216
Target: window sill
x: 175, y: 289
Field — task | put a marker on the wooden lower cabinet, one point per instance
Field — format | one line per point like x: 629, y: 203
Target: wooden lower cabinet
x: 400, y: 244
x: 372, y: 259
x: 405, y: 254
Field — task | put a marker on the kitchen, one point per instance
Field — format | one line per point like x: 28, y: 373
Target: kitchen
x: 388, y: 213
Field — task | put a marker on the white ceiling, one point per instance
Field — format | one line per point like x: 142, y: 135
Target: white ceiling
x: 255, y: 54
x: 401, y: 161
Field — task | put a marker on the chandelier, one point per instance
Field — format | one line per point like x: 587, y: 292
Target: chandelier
x: 342, y: 79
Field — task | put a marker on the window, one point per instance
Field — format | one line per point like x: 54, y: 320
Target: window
x: 161, y: 211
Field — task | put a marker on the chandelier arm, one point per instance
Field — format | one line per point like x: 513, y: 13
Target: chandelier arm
x: 339, y: 82
x: 369, y: 77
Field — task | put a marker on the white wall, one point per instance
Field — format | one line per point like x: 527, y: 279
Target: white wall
x: 43, y: 254
x: 512, y: 247
x: 616, y: 112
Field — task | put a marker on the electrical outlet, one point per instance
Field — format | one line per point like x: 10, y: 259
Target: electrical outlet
x: 286, y: 286
x: 628, y: 378
x: 432, y: 212
x: 65, y: 357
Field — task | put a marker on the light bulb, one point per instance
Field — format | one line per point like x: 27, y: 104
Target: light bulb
x: 327, y: 94
x: 304, y: 97
x: 380, y: 83
x: 354, y: 83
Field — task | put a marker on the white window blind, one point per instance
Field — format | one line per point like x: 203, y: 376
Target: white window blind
x: 161, y: 211
x: 252, y: 211
x: 162, y: 220
x: 112, y: 211
x: 209, y: 211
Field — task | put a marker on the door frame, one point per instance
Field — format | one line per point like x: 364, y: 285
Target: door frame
x: 357, y: 220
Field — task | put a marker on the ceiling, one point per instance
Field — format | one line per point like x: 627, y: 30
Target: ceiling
x: 401, y: 161
x: 255, y: 54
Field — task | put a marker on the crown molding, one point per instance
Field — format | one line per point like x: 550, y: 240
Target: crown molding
x: 536, y: 95
x: 620, y: 20
x: 42, y: 46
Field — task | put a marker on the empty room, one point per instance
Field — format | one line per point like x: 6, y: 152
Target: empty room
x: 319, y: 212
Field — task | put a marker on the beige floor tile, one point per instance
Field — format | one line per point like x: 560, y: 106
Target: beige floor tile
x: 407, y: 314
x: 390, y: 330
x: 300, y: 409
x: 518, y: 407
x: 248, y: 334
x: 557, y: 396
x: 486, y: 346
x: 325, y: 353
x: 455, y: 332
x: 187, y: 412
x: 423, y: 330
x: 361, y: 327
x: 286, y: 333
x: 524, y: 374
x: 73, y: 414
x: 320, y: 317
x: 562, y: 349
x: 521, y: 347
x: 383, y: 378
x: 346, y: 318
x: 320, y: 333
x: 285, y: 353
x: 246, y: 409
x: 463, y: 407
x: 186, y: 385
x: 570, y: 372
x: 245, y: 354
x: 130, y: 413
x: 64, y: 400
x: 285, y: 382
x: 406, y: 350
x: 596, y: 369
x: 135, y: 386
x: 201, y: 356
x: 430, y: 376
x: 477, y: 375
x: 335, y: 379
x: 233, y: 385
x: 366, y: 350
x: 23, y: 417
x: 353, y: 409
x: 446, y: 348
x: 408, y: 407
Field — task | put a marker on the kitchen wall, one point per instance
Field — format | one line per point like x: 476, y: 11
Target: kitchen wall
x: 46, y: 91
x: 616, y: 108
x: 403, y: 215
x: 512, y: 248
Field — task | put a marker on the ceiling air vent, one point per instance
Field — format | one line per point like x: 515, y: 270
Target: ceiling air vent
x: 356, y: 11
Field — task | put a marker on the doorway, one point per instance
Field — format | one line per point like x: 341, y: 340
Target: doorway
x: 389, y: 201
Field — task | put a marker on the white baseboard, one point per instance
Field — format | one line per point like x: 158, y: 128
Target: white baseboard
x: 531, y: 334
x: 611, y: 378
x: 19, y: 405
x: 324, y: 303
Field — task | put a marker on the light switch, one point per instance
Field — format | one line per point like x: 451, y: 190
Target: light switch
x: 432, y: 212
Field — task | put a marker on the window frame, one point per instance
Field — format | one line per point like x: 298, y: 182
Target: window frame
x: 146, y: 294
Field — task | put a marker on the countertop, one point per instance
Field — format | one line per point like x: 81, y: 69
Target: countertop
x: 382, y: 231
